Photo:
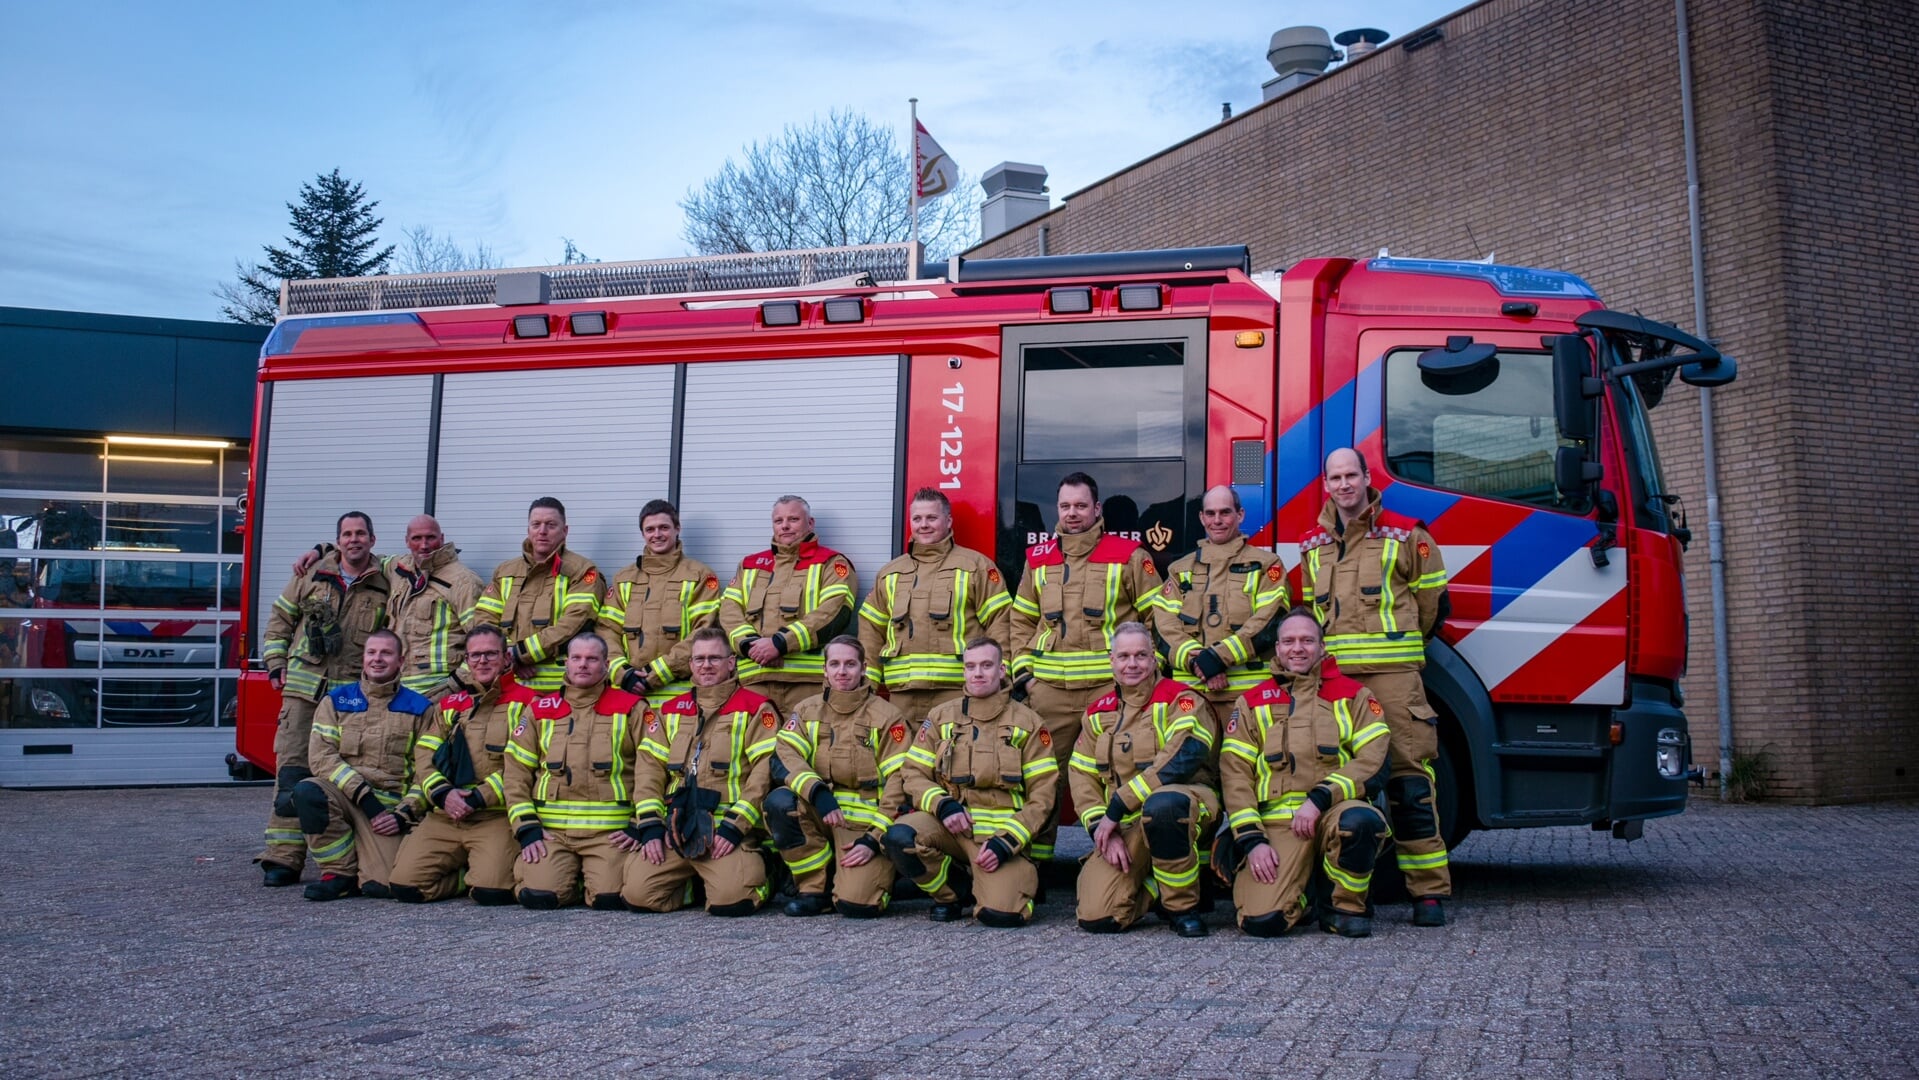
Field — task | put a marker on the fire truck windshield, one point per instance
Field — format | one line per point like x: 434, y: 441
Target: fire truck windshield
x: 1642, y: 457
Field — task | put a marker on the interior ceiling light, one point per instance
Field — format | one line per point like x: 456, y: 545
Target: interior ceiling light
x: 179, y: 444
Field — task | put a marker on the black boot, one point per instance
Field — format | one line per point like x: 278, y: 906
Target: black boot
x: 333, y: 887
x: 277, y: 876
x: 1189, y: 924
x: 1429, y: 911
x: 809, y: 904
x: 952, y: 912
x: 376, y: 890
x: 1346, y: 925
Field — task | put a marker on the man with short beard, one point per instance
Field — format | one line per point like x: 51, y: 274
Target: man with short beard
x: 542, y: 599
x: 653, y: 607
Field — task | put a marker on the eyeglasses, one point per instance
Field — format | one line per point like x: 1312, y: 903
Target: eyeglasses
x: 711, y: 659
x: 488, y: 655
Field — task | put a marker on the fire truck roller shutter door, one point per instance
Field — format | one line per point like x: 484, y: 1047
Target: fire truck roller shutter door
x: 825, y: 430
x: 335, y: 445
x: 608, y: 452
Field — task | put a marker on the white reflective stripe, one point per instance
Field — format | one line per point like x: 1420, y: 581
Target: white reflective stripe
x: 1537, y: 617
x: 1609, y: 690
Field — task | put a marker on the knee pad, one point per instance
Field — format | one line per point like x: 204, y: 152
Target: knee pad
x: 1360, y: 828
x: 782, y: 819
x: 407, y: 894
x: 733, y: 910
x: 287, y: 779
x: 1272, y: 924
x: 309, y: 805
x: 1411, y: 800
x: 539, y: 900
x: 491, y: 897
x: 857, y: 911
x: 1004, y: 920
x: 606, y: 901
x: 1104, y: 925
x: 899, y: 843
x: 1165, y: 815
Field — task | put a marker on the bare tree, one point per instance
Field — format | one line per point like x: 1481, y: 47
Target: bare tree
x: 423, y: 252
x: 834, y: 182
x: 251, y: 297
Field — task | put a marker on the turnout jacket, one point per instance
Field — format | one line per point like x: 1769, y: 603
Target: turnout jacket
x: 1136, y: 740
x: 991, y: 757
x: 651, y: 610
x: 364, y: 735
x: 1217, y: 613
x: 430, y: 600
x: 925, y: 606
x: 1076, y: 590
x: 569, y: 760
x: 319, y: 624
x: 799, y: 595
x: 481, y: 718
x: 707, y: 751
x: 541, y: 603
x: 843, y: 751
x: 1376, y: 583
x: 1317, y: 736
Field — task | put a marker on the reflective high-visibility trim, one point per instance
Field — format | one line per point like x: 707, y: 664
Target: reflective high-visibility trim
x: 649, y: 808
x: 919, y: 755
x: 1435, y: 580
x: 1426, y: 860
x: 1025, y: 606
x: 931, y: 799
x: 1388, y: 556
x: 860, y: 811
x: 1351, y: 649
x: 1038, y: 853
x: 302, y: 681
x: 1139, y: 787
x: 522, y: 812
x: 1071, y: 668
x: 283, y: 837
x: 1021, y: 665
x: 584, y: 814
x: 1180, y: 880
x: 802, y: 740
x: 286, y: 607
x: 803, y: 663
x: 872, y: 614
x: 922, y: 667
x: 661, y: 671
x: 1183, y: 654
x: 1239, y: 749
x: 495, y: 784
x: 1282, y: 808
x: 522, y: 754
x: 1033, y: 770
x: 329, y: 732
x: 1347, y: 787
x: 1367, y: 734
x: 798, y: 782
x: 809, y: 863
x: 935, y: 881
x: 962, y: 588
x: 994, y: 604
x: 1091, y: 816
x: 1242, y: 818
x: 343, y: 775
x: 1354, y: 883
x: 331, y: 853
x: 1084, y: 762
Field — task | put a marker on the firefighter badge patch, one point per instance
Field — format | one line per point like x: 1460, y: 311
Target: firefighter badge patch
x: 993, y: 576
x: 1185, y: 703
x: 1168, y: 591
x: 652, y: 722
x: 590, y: 577
x: 1151, y: 570
x: 711, y: 582
x: 1374, y: 706
x: 1275, y: 572
x: 1425, y: 549
x: 898, y: 732
x: 519, y: 728
x: 840, y: 570
x: 1045, y: 737
x: 769, y: 719
x: 1232, y: 721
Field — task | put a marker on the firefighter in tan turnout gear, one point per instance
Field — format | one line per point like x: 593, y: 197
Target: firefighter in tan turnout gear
x: 1301, y: 757
x: 315, y: 637
x: 569, y: 784
x: 705, y: 768
x: 982, y: 777
x: 542, y: 599
x: 1143, y: 787
x: 1078, y: 587
x: 1374, y: 579
x: 1219, y: 605
x: 458, y: 764
x: 838, y: 759
x: 653, y: 607
x: 361, y: 798
x: 925, y: 606
x: 784, y: 604
x: 430, y: 596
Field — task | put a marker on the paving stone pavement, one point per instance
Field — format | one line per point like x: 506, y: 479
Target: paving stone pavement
x: 1731, y: 941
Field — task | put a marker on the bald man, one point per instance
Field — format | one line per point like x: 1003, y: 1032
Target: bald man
x: 1221, y: 603
x: 1375, y: 581
x: 430, y: 594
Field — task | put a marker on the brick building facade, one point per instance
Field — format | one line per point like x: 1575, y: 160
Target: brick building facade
x: 1549, y: 132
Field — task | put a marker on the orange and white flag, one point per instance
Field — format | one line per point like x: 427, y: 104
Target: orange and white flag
x: 936, y: 173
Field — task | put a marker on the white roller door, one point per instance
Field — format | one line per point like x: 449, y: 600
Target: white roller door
x: 820, y: 429
x: 597, y: 439
x: 335, y: 445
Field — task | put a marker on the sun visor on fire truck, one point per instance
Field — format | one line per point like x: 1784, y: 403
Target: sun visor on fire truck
x: 1105, y: 264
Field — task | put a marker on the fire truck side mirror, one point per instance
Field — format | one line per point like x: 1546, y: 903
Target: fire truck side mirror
x: 1463, y: 368
x: 1573, y: 475
x: 1574, y: 388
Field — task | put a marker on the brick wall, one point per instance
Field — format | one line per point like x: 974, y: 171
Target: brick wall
x: 1549, y: 132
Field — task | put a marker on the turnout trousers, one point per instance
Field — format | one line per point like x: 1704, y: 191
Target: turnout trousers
x: 1418, y: 845
x: 286, y: 846
x: 1162, y: 844
x: 735, y: 884
x: 441, y: 857
x: 574, y: 856
x: 1346, y: 841
x: 1008, y: 890
x: 867, y: 887
x: 1064, y: 709
x: 340, y: 836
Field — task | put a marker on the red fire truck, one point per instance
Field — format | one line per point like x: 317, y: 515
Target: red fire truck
x: 1504, y: 406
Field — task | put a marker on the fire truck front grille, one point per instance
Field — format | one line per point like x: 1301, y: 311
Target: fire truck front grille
x: 156, y: 701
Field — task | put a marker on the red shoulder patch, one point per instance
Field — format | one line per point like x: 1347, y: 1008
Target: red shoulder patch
x: 1425, y: 549
x: 992, y: 575
x: 758, y: 561
x: 1115, y: 549
x: 652, y: 722
x: 1334, y: 686
x: 1268, y: 693
x: 615, y: 702
x: 813, y: 553
x: 681, y: 706
x: 551, y: 707
x: 770, y: 719
x: 1186, y: 703
x: 1045, y: 553
x: 745, y: 701
x: 1105, y: 704
x: 589, y: 577
x: 458, y: 701
x: 840, y: 570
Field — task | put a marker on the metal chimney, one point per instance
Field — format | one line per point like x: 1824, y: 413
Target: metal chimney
x: 1015, y: 195
x: 1299, y: 54
x: 1360, y: 42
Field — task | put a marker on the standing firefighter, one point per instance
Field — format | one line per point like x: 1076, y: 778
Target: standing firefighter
x: 1301, y: 756
x: 459, y: 765
x: 431, y: 594
x: 704, y: 769
x: 840, y: 755
x: 569, y: 784
x: 653, y: 607
x: 925, y: 606
x: 542, y: 599
x: 362, y: 799
x: 1219, y: 605
x: 314, y: 641
x: 784, y: 604
x: 1078, y: 587
x: 1375, y: 581
x: 1144, y: 791
x: 982, y: 774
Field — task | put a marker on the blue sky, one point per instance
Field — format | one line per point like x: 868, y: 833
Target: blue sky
x: 149, y: 145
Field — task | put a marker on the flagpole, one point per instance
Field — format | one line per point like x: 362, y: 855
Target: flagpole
x: 913, y: 179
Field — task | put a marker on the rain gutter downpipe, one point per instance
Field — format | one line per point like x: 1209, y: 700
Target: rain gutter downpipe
x: 1715, y: 530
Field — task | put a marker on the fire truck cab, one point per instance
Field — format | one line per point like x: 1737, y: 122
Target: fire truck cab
x: 1503, y: 406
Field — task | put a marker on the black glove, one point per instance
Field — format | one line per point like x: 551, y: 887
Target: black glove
x: 1116, y: 810
x: 869, y: 844
x: 824, y: 800
x: 950, y: 806
x: 529, y: 834
x: 1020, y: 686
x: 650, y: 832
x: 1321, y: 798
x: 634, y: 832
x: 1207, y: 664
x: 633, y: 683
x: 730, y: 831
x: 371, y: 806
x: 1000, y: 848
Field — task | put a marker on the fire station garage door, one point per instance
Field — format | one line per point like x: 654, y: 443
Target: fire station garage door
x: 598, y: 439
x: 825, y: 430
x: 335, y: 445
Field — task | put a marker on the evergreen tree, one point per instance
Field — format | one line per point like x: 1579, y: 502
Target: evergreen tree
x: 334, y: 235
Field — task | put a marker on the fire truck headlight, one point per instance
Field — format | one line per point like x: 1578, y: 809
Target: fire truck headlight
x: 49, y: 704
x: 1672, y: 754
